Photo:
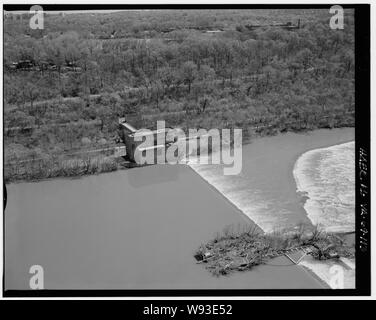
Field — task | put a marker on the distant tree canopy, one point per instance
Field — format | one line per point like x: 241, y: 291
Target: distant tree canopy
x: 73, y: 79
x: 129, y: 59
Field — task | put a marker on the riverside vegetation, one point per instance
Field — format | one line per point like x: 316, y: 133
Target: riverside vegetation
x: 244, y: 247
x: 83, y: 71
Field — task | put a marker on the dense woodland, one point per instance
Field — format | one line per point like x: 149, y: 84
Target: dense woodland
x: 194, y: 69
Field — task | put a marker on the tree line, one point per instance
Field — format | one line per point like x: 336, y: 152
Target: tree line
x: 268, y: 78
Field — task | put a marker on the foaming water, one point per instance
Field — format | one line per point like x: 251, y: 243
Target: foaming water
x: 325, y: 270
x: 254, y: 193
x: 265, y: 190
x: 327, y: 177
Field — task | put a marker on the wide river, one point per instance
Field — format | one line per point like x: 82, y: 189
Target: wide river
x: 139, y: 228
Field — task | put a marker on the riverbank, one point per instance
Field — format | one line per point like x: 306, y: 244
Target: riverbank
x: 88, y: 162
x: 139, y: 228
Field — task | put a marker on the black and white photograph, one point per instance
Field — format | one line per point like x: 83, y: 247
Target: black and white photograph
x: 162, y: 150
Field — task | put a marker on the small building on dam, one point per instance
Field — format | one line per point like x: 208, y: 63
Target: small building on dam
x: 128, y: 133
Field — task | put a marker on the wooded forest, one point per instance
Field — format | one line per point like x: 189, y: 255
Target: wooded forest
x: 66, y: 86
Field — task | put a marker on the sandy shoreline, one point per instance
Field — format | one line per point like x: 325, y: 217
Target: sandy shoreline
x: 139, y: 228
